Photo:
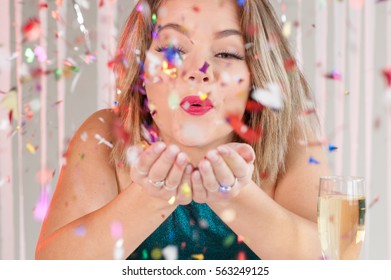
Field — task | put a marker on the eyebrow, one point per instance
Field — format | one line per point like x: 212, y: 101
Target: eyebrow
x: 183, y: 30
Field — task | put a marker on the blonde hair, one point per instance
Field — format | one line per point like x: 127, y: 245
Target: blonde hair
x: 266, y: 58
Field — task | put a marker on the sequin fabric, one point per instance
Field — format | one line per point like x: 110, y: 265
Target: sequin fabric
x: 198, y: 233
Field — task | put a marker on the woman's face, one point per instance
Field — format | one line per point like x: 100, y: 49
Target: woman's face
x: 196, y: 73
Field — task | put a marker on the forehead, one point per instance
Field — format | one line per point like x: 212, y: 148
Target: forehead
x: 214, y: 15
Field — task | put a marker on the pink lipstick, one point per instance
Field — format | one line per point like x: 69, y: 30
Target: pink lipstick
x: 193, y: 105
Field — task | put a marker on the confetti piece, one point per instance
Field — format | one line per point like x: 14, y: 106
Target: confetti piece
x: 228, y: 215
x: 84, y: 136
x: 199, y: 257
x: 387, y: 76
x: 247, y: 134
x: 203, y: 95
x: 253, y: 106
x: 312, y: 160
x: 270, y: 97
x: 30, y: 148
x: 144, y: 254
x: 42, y: 205
x: 170, y: 252
x: 173, y: 100
x: 203, y: 224
x: 332, y: 148
x: 44, y: 176
x: 290, y: 64
x: 308, y: 112
x: 156, y: 254
x: 32, y: 30
x: 119, y: 250
x: 169, y: 71
x: 171, y: 201
x: 102, y: 140
x: 204, y: 67
x: 241, y: 3
x: 240, y: 238
x: 40, y: 53
x: 132, y: 154
x: 10, y: 102
x: 116, y: 230
x: 241, y: 256
x: 29, y: 55
x: 374, y: 201
x: 80, y: 231
x: 80, y: 20
x: 186, y: 190
x: 334, y: 75
x: 229, y: 240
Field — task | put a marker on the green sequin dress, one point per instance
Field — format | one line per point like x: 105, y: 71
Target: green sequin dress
x: 195, y: 229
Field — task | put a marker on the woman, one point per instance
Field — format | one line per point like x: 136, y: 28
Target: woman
x: 188, y: 75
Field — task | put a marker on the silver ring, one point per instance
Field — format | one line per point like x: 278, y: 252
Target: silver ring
x: 226, y: 189
x: 157, y: 184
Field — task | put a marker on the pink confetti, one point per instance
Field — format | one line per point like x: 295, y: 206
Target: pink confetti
x: 116, y: 230
x: 42, y: 205
x: 32, y: 29
x: 374, y: 201
x: 334, y: 75
x: 241, y: 256
x: 387, y: 76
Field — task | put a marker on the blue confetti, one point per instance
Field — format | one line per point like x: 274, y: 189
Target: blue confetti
x: 241, y: 2
x: 332, y: 148
x: 313, y: 161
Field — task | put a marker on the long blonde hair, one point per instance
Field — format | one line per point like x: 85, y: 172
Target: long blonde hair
x: 266, y: 57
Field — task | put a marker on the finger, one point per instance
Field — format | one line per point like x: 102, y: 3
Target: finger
x: 237, y: 165
x: 244, y: 150
x: 199, y: 192
x: 176, y: 173
x: 223, y: 173
x: 208, y: 177
x: 146, y: 159
x: 161, y: 167
x: 184, y: 193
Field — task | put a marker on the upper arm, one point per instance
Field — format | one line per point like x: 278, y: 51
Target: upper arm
x: 297, y: 189
x: 87, y: 181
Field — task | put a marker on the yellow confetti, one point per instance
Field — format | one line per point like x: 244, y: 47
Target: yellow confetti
x: 198, y: 256
x: 30, y: 147
x: 186, y: 190
x: 171, y: 201
x: 203, y: 96
x: 10, y: 102
x: 172, y: 72
x: 156, y: 254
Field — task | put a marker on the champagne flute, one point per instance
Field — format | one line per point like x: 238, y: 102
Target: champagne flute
x: 341, y: 216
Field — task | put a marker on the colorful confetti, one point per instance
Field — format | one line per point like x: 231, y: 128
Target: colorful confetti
x: 387, y: 76
x: 119, y: 251
x: 204, y: 67
x: 199, y: 257
x: 170, y: 252
x: 332, y: 148
x: 104, y: 141
x: 334, y: 75
x: 116, y: 230
x: 42, y: 205
x: 270, y: 97
x: 312, y: 160
x: 32, y: 30
x: 156, y: 254
x: 244, y: 132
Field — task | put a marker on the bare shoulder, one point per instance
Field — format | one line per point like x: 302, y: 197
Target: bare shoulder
x: 87, y: 180
x: 297, y: 189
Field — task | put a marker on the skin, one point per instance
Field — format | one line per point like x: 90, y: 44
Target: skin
x: 92, y: 193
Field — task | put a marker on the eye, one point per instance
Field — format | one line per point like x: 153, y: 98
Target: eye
x: 170, y: 50
x: 229, y: 55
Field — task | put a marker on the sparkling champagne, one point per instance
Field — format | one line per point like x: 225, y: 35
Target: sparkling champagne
x: 341, y: 225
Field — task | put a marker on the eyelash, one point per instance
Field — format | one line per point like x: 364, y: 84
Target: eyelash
x: 180, y: 51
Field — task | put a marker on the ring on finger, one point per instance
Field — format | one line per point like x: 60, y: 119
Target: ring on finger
x: 157, y: 184
x: 226, y: 189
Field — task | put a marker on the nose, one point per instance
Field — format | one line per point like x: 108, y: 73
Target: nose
x: 199, y: 74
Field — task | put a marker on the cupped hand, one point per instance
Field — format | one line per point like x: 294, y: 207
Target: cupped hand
x: 223, y: 173
x: 164, y: 172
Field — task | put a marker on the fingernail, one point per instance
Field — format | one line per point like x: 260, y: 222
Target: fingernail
x: 159, y: 147
x: 212, y: 155
x: 173, y: 150
x: 188, y: 169
x: 181, y: 158
x: 197, y: 175
x: 223, y: 150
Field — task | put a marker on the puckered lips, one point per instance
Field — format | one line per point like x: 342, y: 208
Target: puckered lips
x: 193, y: 105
